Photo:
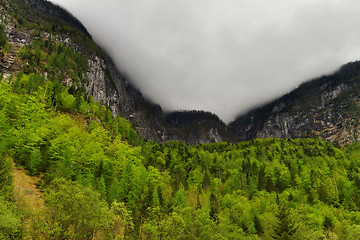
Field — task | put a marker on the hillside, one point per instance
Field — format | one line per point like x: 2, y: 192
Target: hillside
x: 326, y: 108
x: 35, y: 28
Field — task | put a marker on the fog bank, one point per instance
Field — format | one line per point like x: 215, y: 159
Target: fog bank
x: 222, y: 56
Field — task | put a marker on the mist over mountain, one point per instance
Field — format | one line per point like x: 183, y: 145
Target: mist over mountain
x: 222, y: 56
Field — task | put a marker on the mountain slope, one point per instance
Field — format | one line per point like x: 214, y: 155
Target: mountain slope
x: 326, y: 108
x: 40, y: 34
x: 37, y: 25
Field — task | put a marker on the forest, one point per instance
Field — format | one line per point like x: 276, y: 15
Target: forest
x: 100, y: 180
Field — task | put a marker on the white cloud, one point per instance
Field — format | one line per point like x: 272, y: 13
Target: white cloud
x: 222, y: 56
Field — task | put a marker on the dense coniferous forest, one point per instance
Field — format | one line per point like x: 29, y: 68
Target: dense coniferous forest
x: 100, y: 180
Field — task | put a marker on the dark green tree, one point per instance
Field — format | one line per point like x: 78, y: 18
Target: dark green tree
x: 258, y: 226
x: 285, y: 228
x: 3, y: 40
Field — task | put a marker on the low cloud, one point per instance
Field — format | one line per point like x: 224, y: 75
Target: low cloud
x: 222, y: 56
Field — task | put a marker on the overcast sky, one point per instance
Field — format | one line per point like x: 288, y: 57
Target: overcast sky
x: 223, y: 56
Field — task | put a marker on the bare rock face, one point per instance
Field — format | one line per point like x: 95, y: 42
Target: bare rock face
x: 97, y: 85
x: 325, y: 108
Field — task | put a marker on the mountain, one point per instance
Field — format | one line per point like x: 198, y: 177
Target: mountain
x: 326, y: 108
x: 70, y: 170
x: 29, y: 21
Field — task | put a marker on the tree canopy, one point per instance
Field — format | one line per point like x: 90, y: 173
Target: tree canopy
x: 101, y: 180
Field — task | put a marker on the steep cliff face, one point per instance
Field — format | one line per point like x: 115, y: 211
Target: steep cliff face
x: 38, y: 20
x: 197, y: 127
x: 325, y: 108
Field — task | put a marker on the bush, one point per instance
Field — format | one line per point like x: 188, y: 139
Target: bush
x: 10, y: 221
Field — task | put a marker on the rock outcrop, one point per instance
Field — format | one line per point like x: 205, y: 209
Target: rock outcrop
x: 325, y: 108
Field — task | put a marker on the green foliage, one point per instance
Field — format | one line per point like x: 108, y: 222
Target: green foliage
x: 5, y: 177
x: 77, y: 213
x: 11, y: 222
x: 139, y: 189
x: 11, y: 226
x: 3, y: 40
x: 285, y: 228
x: 59, y: 22
x: 58, y: 60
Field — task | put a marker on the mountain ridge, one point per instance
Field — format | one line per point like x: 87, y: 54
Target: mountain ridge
x: 293, y: 115
x: 314, y: 109
x: 101, y: 78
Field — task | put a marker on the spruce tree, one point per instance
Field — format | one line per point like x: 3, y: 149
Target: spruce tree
x: 285, y: 228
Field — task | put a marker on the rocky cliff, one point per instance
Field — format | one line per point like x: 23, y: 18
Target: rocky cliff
x: 26, y: 21
x: 326, y: 108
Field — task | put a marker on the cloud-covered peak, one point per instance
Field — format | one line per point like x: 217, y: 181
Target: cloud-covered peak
x: 222, y: 56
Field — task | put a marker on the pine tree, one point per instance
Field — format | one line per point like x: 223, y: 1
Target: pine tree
x: 258, y: 226
x: 285, y: 228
